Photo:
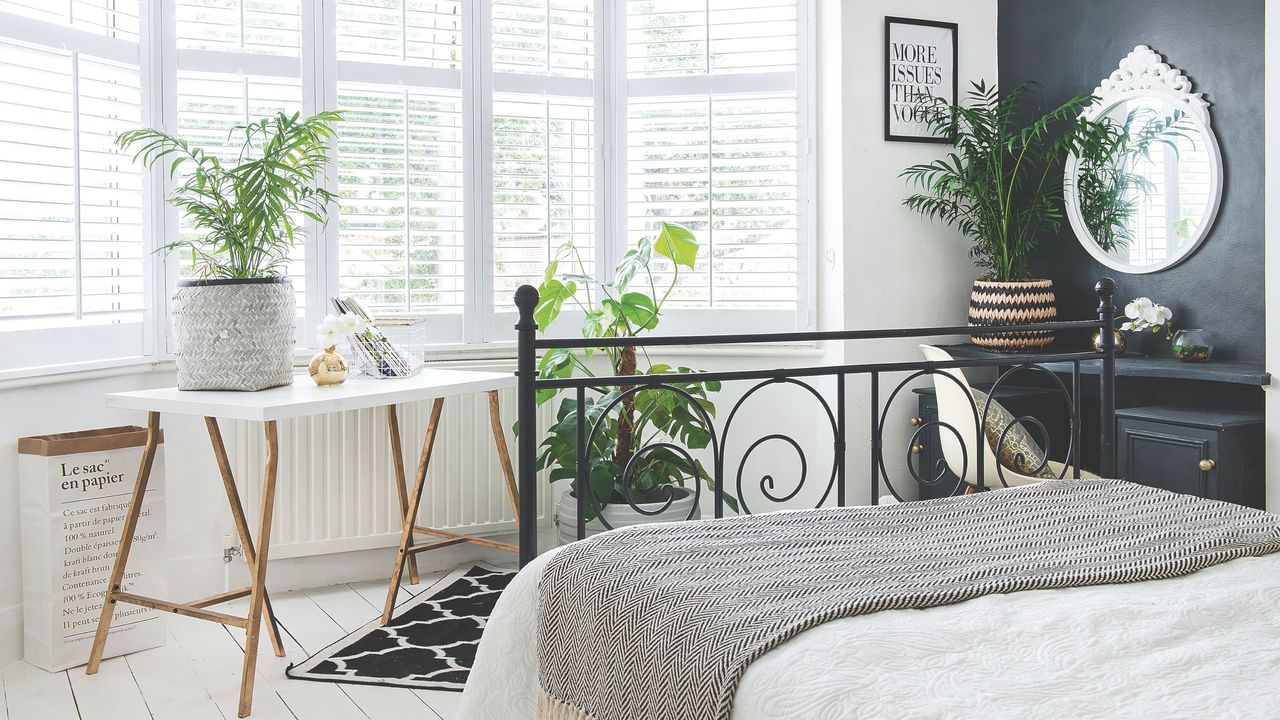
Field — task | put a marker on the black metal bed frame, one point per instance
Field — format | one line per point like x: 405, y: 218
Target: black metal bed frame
x: 526, y: 298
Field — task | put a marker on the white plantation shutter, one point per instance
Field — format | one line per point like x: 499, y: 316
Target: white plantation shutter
x: 402, y: 160
x: 267, y: 27
x: 400, y: 174
x: 544, y: 37
x: 72, y: 251
x: 423, y: 33
x: 543, y: 186
x: 109, y: 18
x: 714, y: 141
x: 543, y: 157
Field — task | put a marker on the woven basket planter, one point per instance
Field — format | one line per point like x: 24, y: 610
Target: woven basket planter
x: 1016, y: 302
x: 234, y: 334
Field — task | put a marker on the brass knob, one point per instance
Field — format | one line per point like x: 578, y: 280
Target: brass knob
x: 1207, y: 465
x: 913, y: 421
x: 917, y: 449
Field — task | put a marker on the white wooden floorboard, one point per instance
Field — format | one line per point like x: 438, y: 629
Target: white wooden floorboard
x: 375, y: 591
x: 445, y: 704
x: 304, y: 699
x: 4, y: 701
x: 170, y: 685
x: 197, y: 675
x: 109, y: 694
x: 387, y: 703
x: 345, y: 606
x: 217, y: 659
x: 33, y: 694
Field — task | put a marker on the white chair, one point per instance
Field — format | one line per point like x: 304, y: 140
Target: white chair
x: 955, y: 408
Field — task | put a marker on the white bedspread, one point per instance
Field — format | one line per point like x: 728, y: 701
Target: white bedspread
x: 1202, y: 646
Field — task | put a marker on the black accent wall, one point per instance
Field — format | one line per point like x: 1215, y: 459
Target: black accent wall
x: 1069, y: 46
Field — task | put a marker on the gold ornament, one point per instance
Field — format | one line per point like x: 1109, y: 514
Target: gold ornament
x: 1120, y: 341
x: 328, y: 367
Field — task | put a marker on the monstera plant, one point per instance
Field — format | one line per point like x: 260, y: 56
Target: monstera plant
x: 627, y: 305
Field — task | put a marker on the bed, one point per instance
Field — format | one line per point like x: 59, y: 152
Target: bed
x: 1135, y: 602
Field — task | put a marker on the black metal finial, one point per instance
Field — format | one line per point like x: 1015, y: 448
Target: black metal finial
x: 526, y: 301
x: 1106, y: 288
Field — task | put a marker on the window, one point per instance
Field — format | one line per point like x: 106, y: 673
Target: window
x: 72, y: 273
x: 713, y: 125
x: 479, y: 136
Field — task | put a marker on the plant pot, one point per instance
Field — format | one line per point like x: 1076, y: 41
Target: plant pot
x: 1016, y: 302
x: 622, y: 515
x: 234, y: 334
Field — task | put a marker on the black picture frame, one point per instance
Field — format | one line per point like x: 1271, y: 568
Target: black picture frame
x: 889, y: 23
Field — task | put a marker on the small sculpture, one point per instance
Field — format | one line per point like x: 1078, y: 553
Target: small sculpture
x: 328, y: 367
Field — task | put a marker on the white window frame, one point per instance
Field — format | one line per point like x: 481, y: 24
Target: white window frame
x: 484, y: 323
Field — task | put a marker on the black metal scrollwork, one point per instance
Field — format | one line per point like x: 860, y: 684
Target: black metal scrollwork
x: 767, y: 483
x: 667, y: 494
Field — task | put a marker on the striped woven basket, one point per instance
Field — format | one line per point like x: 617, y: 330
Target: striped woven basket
x: 233, y: 334
x: 994, y: 303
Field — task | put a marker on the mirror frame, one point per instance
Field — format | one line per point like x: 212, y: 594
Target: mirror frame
x: 1143, y: 73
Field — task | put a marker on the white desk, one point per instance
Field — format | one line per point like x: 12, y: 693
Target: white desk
x: 268, y: 407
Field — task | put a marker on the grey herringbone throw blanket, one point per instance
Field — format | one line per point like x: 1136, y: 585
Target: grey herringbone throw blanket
x: 659, y: 622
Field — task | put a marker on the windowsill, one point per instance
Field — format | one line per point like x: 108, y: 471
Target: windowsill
x: 440, y: 355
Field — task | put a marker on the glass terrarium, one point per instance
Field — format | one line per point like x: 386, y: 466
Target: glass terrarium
x: 1193, y: 345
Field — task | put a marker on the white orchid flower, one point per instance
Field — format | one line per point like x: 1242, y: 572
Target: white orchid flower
x: 349, y: 323
x: 1135, y: 309
x: 326, y: 336
x: 330, y: 321
x: 1128, y: 327
x: 1151, y: 315
x: 1165, y: 314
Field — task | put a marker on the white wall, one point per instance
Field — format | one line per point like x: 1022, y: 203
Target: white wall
x: 899, y: 270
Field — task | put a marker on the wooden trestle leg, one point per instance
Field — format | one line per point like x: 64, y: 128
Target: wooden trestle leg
x: 411, y: 511
x: 242, y: 526
x: 126, y: 543
x: 258, y: 591
x: 409, y: 506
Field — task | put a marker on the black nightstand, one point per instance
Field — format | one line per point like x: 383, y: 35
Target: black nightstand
x: 1212, y: 453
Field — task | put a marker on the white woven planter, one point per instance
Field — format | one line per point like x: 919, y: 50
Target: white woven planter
x: 622, y: 515
x: 234, y: 334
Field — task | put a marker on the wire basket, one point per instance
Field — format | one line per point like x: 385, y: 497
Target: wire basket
x: 374, y: 353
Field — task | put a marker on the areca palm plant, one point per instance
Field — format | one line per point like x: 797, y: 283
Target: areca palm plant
x: 998, y: 185
x: 248, y: 210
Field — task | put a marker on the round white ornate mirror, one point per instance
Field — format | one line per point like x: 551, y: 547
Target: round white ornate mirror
x: 1145, y: 195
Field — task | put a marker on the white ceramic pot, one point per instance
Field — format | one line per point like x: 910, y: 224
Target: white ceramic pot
x: 233, y: 334
x: 622, y: 515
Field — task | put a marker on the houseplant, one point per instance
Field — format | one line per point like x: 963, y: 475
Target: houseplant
x: 628, y: 305
x: 998, y: 187
x: 233, y: 322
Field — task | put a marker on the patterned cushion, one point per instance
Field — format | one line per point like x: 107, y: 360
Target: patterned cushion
x: 1019, y: 452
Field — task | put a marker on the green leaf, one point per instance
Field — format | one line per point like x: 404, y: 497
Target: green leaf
x: 677, y: 244
x: 552, y: 295
x: 635, y: 260
x: 637, y: 308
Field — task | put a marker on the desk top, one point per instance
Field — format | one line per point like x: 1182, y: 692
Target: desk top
x: 1135, y: 365
x: 303, y: 397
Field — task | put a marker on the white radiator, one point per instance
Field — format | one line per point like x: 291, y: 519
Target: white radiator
x: 336, y: 486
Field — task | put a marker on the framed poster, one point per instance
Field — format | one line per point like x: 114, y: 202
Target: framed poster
x: 919, y: 60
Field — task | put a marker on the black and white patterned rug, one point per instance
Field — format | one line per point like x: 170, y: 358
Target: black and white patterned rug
x: 430, y: 642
